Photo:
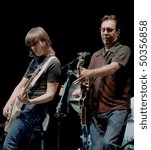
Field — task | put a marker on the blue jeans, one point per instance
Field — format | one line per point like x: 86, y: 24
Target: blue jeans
x: 21, y: 130
x: 107, y: 130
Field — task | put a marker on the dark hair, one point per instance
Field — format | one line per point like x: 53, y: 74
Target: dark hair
x: 35, y: 35
x: 111, y: 17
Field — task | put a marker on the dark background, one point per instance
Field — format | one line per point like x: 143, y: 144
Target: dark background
x: 72, y: 26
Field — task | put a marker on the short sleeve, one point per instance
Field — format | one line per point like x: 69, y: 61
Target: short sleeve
x: 54, y: 71
x: 122, y: 55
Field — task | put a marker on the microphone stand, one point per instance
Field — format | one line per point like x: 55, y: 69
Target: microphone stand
x: 62, y: 93
x: 68, y: 65
x: 58, y: 113
x: 84, y: 54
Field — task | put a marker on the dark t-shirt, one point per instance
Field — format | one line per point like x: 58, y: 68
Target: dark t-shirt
x: 51, y: 74
x: 112, y: 91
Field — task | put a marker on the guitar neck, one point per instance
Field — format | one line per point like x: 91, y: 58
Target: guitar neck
x: 83, y: 109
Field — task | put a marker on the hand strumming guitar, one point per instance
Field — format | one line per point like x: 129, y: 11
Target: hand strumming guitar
x: 7, y: 110
x: 24, y: 98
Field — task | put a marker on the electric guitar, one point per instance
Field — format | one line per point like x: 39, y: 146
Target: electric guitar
x: 86, y: 89
x: 83, y: 103
x: 17, y: 104
x: 83, y: 88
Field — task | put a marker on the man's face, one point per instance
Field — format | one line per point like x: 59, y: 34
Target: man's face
x: 108, y: 32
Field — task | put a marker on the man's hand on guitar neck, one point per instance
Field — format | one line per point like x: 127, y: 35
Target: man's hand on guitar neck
x: 85, y: 75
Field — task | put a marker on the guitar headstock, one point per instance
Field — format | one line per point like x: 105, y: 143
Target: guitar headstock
x: 80, y: 61
x: 81, y: 58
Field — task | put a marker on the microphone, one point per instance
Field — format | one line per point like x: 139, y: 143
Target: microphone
x: 69, y: 72
x: 83, y: 54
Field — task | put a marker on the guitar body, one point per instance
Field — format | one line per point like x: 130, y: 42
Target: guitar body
x: 16, y: 110
x: 17, y: 105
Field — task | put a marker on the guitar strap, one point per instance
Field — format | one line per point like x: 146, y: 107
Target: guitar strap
x: 42, y: 69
